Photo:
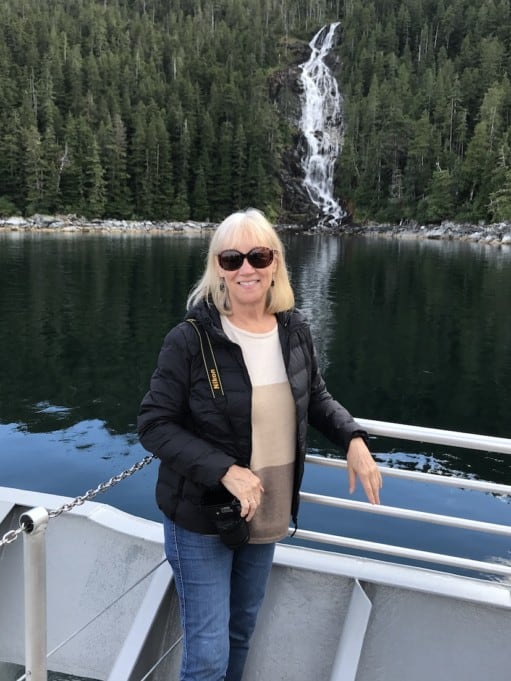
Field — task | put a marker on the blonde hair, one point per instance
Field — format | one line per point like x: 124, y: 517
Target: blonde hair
x: 250, y: 223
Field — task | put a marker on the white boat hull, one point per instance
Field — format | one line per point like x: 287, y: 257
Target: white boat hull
x: 326, y: 617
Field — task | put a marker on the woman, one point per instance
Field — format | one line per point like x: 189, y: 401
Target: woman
x: 242, y: 435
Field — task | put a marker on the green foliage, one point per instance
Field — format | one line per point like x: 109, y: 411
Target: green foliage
x: 7, y: 207
x: 500, y: 200
x: 439, y: 202
x: 145, y: 109
x: 163, y: 110
x: 428, y: 108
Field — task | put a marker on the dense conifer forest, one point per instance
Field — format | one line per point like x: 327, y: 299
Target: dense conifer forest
x: 162, y: 109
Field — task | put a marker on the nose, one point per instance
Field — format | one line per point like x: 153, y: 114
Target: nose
x: 246, y: 266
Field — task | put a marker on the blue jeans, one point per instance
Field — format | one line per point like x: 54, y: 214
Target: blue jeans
x: 220, y: 592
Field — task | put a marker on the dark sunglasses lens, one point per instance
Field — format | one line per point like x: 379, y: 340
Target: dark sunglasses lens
x: 230, y: 260
x: 260, y: 257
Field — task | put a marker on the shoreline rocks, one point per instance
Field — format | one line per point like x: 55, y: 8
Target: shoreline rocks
x: 497, y: 234
x: 69, y: 224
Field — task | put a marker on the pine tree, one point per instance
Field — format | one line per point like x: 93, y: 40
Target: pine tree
x: 482, y: 154
x: 33, y: 180
x: 50, y: 153
x: 200, y: 205
x: 440, y: 197
x: 222, y: 200
x: 239, y: 166
x: 113, y: 144
x: 180, y: 207
x: 94, y: 183
x: 12, y: 159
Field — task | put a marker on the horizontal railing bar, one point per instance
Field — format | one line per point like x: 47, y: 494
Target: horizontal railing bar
x: 413, y: 554
x: 401, y: 431
x: 448, y: 481
x: 408, y: 514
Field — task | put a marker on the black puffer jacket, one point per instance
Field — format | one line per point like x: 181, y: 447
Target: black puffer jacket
x: 197, y: 438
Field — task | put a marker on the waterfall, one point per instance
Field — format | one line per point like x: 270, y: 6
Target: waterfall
x: 322, y: 126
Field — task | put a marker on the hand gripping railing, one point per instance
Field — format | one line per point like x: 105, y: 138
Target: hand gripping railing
x: 418, y: 434
x: 33, y: 524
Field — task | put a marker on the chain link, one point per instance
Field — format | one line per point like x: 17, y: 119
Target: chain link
x: 12, y: 535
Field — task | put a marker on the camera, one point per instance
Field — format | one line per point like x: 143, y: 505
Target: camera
x: 225, y: 512
x: 232, y: 528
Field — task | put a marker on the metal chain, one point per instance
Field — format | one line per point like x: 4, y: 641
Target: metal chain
x: 102, y: 487
x: 12, y: 535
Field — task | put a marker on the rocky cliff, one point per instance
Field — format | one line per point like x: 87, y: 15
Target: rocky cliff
x: 285, y: 91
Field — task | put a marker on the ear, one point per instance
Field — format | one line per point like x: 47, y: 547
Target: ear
x: 275, y: 263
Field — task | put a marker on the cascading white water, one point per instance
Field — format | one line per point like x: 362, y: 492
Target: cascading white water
x: 322, y: 126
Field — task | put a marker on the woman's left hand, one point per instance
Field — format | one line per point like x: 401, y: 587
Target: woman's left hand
x: 361, y: 464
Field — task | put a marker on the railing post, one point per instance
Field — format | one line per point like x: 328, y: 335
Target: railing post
x: 34, y: 523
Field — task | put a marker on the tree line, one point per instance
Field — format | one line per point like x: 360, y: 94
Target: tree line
x: 158, y: 110
x: 428, y: 108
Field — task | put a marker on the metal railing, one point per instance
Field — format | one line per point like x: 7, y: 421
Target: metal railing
x: 452, y: 438
x: 33, y: 526
x: 433, y: 436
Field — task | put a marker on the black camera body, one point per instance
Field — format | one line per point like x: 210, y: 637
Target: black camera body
x: 232, y: 529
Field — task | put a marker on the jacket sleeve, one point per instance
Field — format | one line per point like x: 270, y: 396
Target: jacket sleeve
x: 325, y: 413
x: 165, y: 423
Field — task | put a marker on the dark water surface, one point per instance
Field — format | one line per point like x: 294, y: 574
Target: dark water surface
x: 412, y: 332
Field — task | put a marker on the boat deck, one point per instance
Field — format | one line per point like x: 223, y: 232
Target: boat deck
x: 328, y: 615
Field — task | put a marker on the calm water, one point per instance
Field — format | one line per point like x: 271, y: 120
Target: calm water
x: 412, y: 332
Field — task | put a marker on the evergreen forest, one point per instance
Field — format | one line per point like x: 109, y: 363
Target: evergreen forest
x: 163, y: 110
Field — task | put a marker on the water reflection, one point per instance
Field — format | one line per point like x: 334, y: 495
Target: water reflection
x: 312, y: 281
x: 85, y: 321
x: 413, y: 332
x: 423, y: 334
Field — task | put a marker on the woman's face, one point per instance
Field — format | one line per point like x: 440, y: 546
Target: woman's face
x: 248, y: 286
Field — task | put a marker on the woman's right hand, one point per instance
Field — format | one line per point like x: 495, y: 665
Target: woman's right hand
x: 246, y: 487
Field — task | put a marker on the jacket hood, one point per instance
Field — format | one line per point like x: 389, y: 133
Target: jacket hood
x: 205, y: 313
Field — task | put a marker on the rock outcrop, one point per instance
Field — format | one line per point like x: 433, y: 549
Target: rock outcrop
x: 69, y: 224
x: 285, y: 92
x: 497, y: 234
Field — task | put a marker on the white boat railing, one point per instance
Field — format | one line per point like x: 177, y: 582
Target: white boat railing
x: 453, y: 438
x: 34, y: 563
x: 36, y: 666
x: 417, y: 434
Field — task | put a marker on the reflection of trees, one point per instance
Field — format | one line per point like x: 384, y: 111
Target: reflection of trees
x: 85, y: 320
x: 311, y: 281
x: 414, y: 332
x: 428, y: 332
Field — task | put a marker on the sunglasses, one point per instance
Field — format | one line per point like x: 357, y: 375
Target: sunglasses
x: 259, y: 257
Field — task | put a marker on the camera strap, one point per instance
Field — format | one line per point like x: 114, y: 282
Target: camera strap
x: 208, y: 358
